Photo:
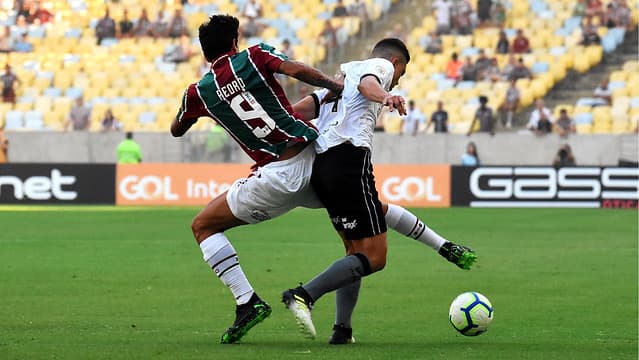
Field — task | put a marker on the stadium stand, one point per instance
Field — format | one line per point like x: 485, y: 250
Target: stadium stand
x: 555, y: 50
x: 130, y: 75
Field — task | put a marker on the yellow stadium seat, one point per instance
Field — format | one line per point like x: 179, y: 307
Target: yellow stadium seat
x: 618, y: 75
x: 583, y: 128
x: 620, y: 127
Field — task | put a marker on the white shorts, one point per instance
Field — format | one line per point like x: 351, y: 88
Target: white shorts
x: 275, y: 189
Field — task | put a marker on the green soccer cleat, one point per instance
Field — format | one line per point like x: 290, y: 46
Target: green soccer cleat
x: 459, y: 255
x: 246, y: 316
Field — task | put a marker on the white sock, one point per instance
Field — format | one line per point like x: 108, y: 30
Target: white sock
x: 406, y: 223
x: 222, y: 258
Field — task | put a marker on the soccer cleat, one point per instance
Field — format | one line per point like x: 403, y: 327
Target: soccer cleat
x: 341, y: 335
x: 459, y: 255
x: 296, y: 300
x: 246, y: 316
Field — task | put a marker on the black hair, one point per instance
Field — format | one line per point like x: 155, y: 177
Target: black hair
x: 129, y: 135
x: 217, y: 35
x: 390, y: 47
x: 483, y: 99
x: 563, y: 111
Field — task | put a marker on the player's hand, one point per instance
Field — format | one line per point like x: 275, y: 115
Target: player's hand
x: 332, y: 96
x: 396, y: 102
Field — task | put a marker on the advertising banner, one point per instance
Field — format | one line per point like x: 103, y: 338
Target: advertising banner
x: 175, y: 184
x: 507, y: 186
x: 57, y: 184
x: 197, y: 184
x: 413, y: 185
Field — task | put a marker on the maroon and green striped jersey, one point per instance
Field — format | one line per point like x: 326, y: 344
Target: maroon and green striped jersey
x: 243, y: 96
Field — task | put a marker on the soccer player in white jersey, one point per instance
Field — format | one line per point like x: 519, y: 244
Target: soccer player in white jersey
x: 343, y: 181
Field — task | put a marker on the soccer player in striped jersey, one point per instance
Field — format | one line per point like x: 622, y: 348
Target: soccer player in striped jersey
x: 240, y: 92
x: 397, y: 218
x: 343, y: 181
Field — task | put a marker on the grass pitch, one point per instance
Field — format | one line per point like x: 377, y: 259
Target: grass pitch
x: 106, y: 283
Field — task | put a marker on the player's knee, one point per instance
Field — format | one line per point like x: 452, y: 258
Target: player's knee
x: 201, y: 229
x: 377, y: 261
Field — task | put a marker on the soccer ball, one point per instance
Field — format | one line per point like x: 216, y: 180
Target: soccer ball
x: 470, y: 313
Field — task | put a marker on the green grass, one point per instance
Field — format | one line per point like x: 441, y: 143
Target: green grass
x: 91, y: 283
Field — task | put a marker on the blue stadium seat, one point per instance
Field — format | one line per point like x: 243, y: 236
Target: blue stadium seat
x: 73, y: 92
x: 146, y: 117
x: 583, y: 118
x: 33, y: 120
x: 634, y: 102
x: 539, y: 67
x: 616, y: 85
x: 13, y: 120
x: 52, y: 92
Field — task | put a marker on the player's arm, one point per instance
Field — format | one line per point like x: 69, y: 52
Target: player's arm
x: 180, y: 127
x: 309, y: 75
x: 308, y: 107
x: 370, y: 87
x: 190, y: 110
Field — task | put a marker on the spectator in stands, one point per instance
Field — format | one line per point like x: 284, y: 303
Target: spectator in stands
x: 623, y: 16
x: 251, y: 28
x: 595, y: 8
x: 610, y: 16
x: 482, y: 63
x: 433, y: 44
x: 328, y: 38
x: 520, y: 71
x: 24, y: 9
x: 541, y: 119
x: 143, y: 26
x: 181, y: 52
x: 6, y: 41
x: 442, y: 9
x: 492, y: 72
x: 603, y: 93
x: 4, y: 147
x: 287, y: 49
x: 412, y: 119
x: 340, y: 10
x: 463, y: 12
x: 397, y: 32
x: 509, y: 67
x: 589, y: 35
x: 109, y: 122
x: 499, y: 13
x: 128, y: 151
x: 483, y: 115
x: 469, y: 70
x: 509, y: 106
x: 21, y: 25
x: 38, y: 14
x: 470, y: 157
x: 105, y: 28
x: 520, y: 43
x: 126, y: 25
x: 503, y: 45
x: 565, y: 124
x: 160, y: 27
x: 439, y: 118
x: 359, y: 9
x: 564, y: 157
x: 22, y: 45
x: 252, y: 10
x: 453, y: 67
x: 178, y: 25
x: 9, y: 81
x: 579, y: 10
x: 483, y: 11
x: 79, y: 117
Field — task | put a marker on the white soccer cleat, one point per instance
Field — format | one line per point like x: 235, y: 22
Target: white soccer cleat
x: 301, y: 309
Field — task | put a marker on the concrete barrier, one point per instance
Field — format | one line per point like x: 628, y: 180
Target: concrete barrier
x: 501, y: 149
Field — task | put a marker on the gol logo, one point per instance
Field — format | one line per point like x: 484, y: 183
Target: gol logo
x: 147, y: 188
x: 411, y: 188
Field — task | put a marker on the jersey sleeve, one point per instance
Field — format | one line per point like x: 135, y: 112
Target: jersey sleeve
x: 382, y: 69
x: 192, y: 105
x: 266, y: 56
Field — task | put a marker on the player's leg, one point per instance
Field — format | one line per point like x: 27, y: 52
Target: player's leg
x: 343, y: 181
x: 406, y: 223
x: 208, y: 228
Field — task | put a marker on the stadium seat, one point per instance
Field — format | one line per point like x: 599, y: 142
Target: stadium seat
x: 13, y: 120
